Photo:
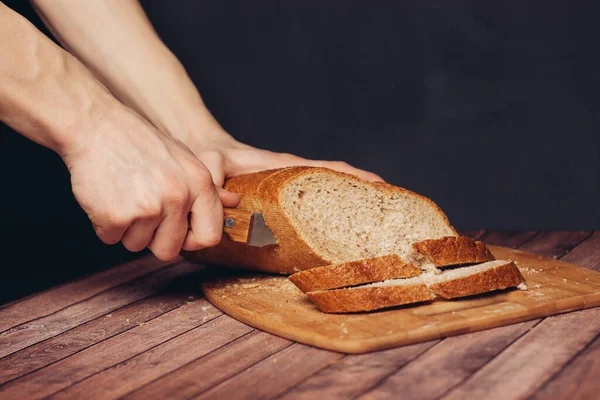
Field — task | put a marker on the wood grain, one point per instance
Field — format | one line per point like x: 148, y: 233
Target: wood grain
x: 587, y: 254
x: 578, y: 380
x: 273, y: 375
x: 62, y: 346
x: 213, y: 368
x: 353, y: 375
x: 508, y: 238
x: 129, y: 375
x: 57, y: 298
x: 555, y: 244
x: 530, y: 361
x: 542, y: 345
x: 64, y: 373
x: 273, y: 304
x: 25, y: 335
x: 240, y: 232
x: 448, y: 363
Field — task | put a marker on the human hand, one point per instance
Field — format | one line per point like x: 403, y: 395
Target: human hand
x: 225, y: 157
x: 138, y: 185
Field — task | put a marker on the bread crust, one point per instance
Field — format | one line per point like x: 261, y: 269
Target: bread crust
x: 501, y: 277
x: 354, y: 273
x: 261, y: 192
x: 369, y: 298
x: 453, y: 250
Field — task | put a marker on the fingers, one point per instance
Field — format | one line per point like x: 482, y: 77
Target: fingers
x: 111, y: 230
x: 168, y: 238
x: 206, y: 220
x: 341, y: 166
x: 140, y: 234
x: 228, y: 199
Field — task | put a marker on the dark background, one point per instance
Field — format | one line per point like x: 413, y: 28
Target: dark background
x: 489, y: 108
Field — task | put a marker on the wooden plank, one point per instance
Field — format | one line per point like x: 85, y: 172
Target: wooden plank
x: 273, y: 375
x: 555, y: 244
x: 447, y: 364
x: 129, y: 375
x: 213, y: 368
x: 578, y: 380
x: 353, y: 375
x: 57, y: 298
x: 587, y: 254
x: 64, y: 373
x: 59, y: 347
x: 475, y: 234
x: 508, y: 238
x: 532, y: 359
x: 44, y: 328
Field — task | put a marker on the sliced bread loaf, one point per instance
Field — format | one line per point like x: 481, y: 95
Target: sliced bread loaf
x: 354, y: 273
x: 460, y: 282
x: 322, y: 217
x: 452, y: 250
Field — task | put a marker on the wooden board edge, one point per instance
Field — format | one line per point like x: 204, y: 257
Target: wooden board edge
x: 382, y: 343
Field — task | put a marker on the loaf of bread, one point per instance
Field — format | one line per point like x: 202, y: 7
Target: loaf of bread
x: 322, y: 217
x: 357, y: 245
x: 453, y: 283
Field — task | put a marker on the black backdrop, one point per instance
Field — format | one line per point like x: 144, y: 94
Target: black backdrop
x: 491, y: 109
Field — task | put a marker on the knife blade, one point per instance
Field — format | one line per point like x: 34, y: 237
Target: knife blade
x: 247, y: 227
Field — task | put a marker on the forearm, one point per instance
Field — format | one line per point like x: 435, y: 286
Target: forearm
x: 115, y: 39
x: 45, y: 93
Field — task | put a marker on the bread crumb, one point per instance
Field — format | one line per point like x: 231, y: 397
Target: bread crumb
x: 345, y: 330
x: 205, y: 308
x: 537, y: 286
x: 521, y: 286
x: 239, y: 293
x: 108, y: 315
x: 249, y: 285
x: 564, y: 280
x: 390, y: 332
x: 190, y: 297
x: 296, y: 269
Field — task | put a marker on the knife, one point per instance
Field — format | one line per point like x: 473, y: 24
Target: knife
x: 247, y: 227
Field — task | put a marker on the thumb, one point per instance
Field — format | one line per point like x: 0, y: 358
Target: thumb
x: 229, y: 199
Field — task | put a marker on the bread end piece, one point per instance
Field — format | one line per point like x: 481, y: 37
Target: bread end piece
x: 354, y: 273
x: 503, y: 276
x: 453, y: 250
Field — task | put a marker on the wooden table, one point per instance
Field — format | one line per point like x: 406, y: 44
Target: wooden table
x: 142, y: 330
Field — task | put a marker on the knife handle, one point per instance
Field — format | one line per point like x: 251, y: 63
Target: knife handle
x: 237, y: 224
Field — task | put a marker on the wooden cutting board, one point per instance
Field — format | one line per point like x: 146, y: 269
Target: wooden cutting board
x: 273, y: 304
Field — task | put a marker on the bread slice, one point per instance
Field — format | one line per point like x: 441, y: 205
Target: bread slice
x: 460, y: 282
x: 476, y: 279
x: 452, y: 250
x: 322, y: 217
x: 372, y: 297
x: 354, y: 273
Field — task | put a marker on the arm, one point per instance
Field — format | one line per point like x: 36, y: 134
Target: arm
x: 136, y: 183
x: 136, y: 66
